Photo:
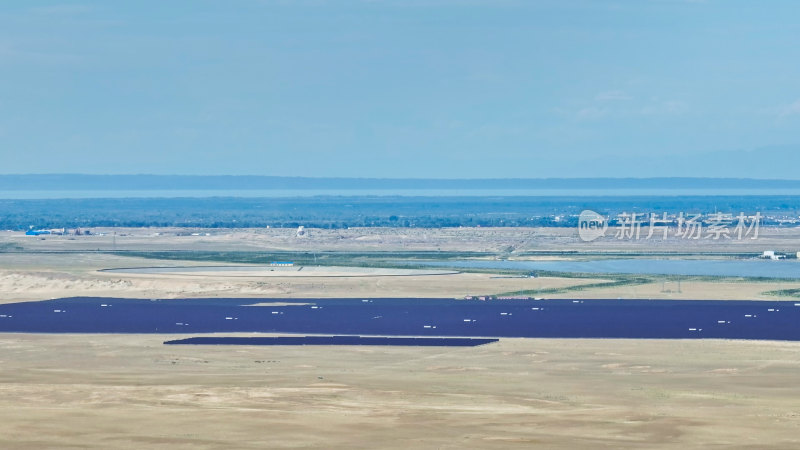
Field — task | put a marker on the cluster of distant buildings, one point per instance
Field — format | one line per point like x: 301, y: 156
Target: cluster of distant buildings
x: 773, y: 255
x: 59, y: 232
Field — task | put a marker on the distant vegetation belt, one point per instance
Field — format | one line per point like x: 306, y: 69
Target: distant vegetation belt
x: 362, y: 211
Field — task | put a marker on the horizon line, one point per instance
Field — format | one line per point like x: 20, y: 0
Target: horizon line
x: 334, y: 177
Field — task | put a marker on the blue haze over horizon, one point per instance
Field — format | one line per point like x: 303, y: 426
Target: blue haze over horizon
x: 402, y: 89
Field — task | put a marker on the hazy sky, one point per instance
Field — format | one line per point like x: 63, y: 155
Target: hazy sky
x: 402, y: 88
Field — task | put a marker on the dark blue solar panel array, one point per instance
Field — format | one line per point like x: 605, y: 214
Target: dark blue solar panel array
x: 334, y: 340
x: 413, y: 317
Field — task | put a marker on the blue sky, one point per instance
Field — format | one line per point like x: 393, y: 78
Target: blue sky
x: 391, y: 88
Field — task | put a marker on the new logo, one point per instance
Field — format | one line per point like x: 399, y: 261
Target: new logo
x: 591, y: 225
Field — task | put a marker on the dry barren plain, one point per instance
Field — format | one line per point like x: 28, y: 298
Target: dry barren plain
x: 131, y: 391
x: 516, y: 240
x: 56, y: 266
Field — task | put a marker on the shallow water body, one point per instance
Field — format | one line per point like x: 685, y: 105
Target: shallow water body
x: 759, y: 268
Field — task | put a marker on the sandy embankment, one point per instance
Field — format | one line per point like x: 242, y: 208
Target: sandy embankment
x: 45, y: 276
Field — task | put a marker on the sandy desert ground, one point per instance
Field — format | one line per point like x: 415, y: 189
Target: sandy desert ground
x: 100, y: 391
x: 30, y: 277
x: 130, y: 391
x: 25, y: 277
x: 37, y: 276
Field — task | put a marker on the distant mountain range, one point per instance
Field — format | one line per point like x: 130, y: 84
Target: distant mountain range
x: 49, y: 182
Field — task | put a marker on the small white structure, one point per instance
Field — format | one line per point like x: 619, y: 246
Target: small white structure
x: 770, y: 254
